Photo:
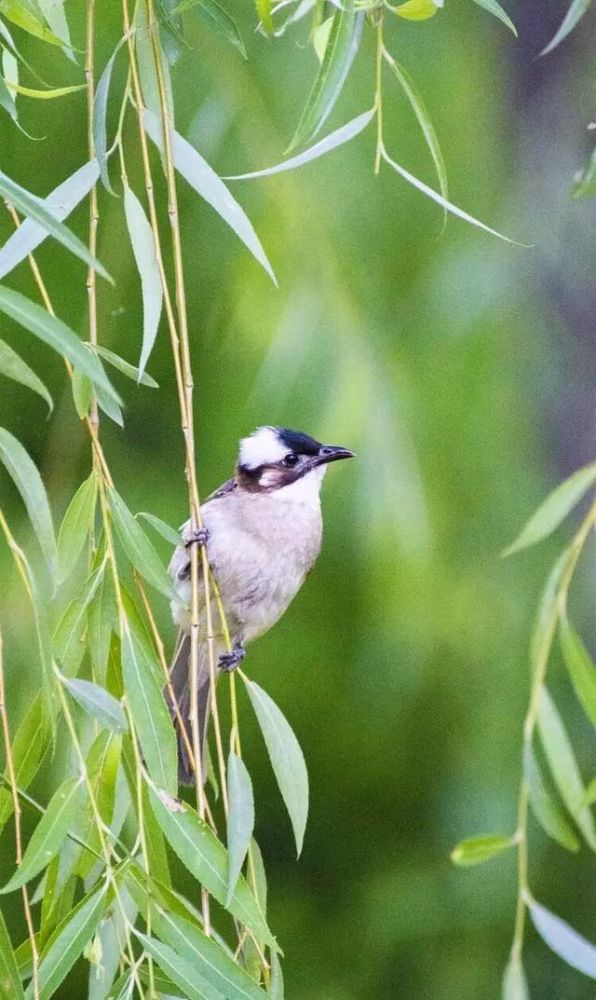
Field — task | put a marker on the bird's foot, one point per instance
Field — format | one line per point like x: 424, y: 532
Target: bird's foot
x: 230, y: 660
x: 199, y: 537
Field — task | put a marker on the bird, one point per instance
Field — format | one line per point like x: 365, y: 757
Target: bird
x: 262, y: 532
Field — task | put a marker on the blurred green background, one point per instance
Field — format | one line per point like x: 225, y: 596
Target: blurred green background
x: 459, y: 368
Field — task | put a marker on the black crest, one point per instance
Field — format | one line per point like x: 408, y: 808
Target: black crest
x: 298, y: 442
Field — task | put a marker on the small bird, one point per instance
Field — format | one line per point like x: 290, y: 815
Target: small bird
x: 262, y: 532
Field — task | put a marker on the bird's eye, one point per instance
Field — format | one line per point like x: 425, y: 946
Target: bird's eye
x: 290, y: 460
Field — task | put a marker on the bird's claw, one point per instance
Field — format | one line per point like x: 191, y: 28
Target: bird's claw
x: 230, y: 660
x: 199, y: 537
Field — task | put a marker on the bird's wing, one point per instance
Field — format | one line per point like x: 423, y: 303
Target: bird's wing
x: 179, y: 567
x: 228, y: 487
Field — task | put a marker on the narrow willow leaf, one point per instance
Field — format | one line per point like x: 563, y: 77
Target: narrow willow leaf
x: 554, y: 509
x: 123, y: 988
x: 563, y: 939
x: 28, y: 204
x: 563, y: 766
x: 102, y: 763
x: 82, y: 393
x: 111, y: 943
x: 263, y: 8
x: 286, y: 758
x: 476, y: 850
x: 25, y: 18
x: 27, y: 480
x: 342, y: 46
x: 102, y: 618
x: 7, y: 100
x: 47, y: 94
x: 99, y: 703
x: 60, y: 203
x: 67, y: 943
x: 576, y: 11
x: 100, y: 108
x: 49, y: 834
x: 214, y: 15
x: 53, y: 12
x: 419, y: 108
x: 150, y: 714
x: 178, y: 970
x: 143, y: 248
x: 76, y: 526
x: 206, y: 182
x: 207, y: 958
x: 146, y: 63
x: 546, y: 809
x: 13, y: 367
x: 10, y: 981
x: 68, y: 640
x: 125, y: 367
x: 548, y: 609
x: 206, y: 858
x: 416, y: 10
x: 57, y: 335
x: 320, y: 37
x: 30, y: 743
x: 581, y: 668
x: 495, y: 8
x: 137, y: 546
x: 515, y: 986
x: 58, y: 890
x: 109, y: 407
x: 163, y: 529
x: 260, y: 875
x: 141, y: 635
x: 241, y: 818
x: 444, y: 203
x: 331, y: 141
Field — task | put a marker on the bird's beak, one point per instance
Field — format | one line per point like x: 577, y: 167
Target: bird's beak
x: 331, y: 453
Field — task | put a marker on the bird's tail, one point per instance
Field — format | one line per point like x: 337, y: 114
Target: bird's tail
x: 180, y: 681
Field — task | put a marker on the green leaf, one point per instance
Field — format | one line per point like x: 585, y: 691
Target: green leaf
x: 100, y: 107
x: 162, y: 528
x: 7, y: 100
x: 563, y: 766
x: 260, y: 875
x: 111, y: 944
x: 554, y: 509
x: 342, y: 46
x: 330, y: 142
x: 10, y: 981
x: 216, y: 17
x: 68, y: 641
x: 146, y: 64
x: 67, y: 942
x: 49, y: 834
x: 138, y: 548
x: 263, y: 8
x: 276, y: 983
x: 98, y: 703
x: 57, y: 335
x: 476, y: 850
x: 548, y: 609
x: 416, y: 10
x: 76, y: 526
x: 53, y: 12
x: 419, y: 108
x: 28, y: 204
x: 576, y: 11
x: 143, y: 248
x: 210, y: 187
x: 208, y: 960
x: 102, y: 618
x: 82, y: 393
x: 495, y: 8
x: 126, y: 368
x: 102, y: 763
x: 30, y: 743
x: 16, y: 12
x: 179, y: 971
x: 546, y: 809
x: 206, y: 858
x: 27, y: 480
x: 445, y: 204
x: 46, y: 94
x: 515, y: 986
x: 241, y: 818
x: 13, y: 367
x: 150, y: 714
x: 563, y: 939
x: 286, y: 758
x: 61, y: 202
x: 581, y: 668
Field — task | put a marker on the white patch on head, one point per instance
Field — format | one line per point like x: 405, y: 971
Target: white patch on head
x: 262, y: 448
x: 305, y: 490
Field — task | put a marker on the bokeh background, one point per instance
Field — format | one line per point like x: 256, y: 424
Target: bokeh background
x: 460, y: 368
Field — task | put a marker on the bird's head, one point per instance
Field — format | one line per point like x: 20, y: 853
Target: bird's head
x: 275, y: 458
